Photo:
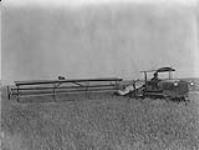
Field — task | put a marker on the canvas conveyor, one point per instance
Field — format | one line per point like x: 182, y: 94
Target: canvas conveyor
x: 56, y: 87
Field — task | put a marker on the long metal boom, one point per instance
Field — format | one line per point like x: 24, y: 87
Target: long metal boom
x: 18, y: 83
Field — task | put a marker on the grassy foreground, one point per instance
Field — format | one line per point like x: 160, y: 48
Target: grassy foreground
x: 101, y: 122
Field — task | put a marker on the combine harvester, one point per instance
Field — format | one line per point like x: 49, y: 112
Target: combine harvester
x: 153, y: 88
x: 159, y: 88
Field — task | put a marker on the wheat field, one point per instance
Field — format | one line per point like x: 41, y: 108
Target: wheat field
x: 100, y: 122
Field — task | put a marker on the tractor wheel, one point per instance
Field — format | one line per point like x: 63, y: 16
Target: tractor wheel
x: 186, y: 98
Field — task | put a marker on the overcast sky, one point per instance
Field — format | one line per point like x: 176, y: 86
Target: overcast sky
x: 146, y: 23
x: 80, y: 2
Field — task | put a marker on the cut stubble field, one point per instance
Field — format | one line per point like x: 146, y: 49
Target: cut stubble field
x: 100, y: 122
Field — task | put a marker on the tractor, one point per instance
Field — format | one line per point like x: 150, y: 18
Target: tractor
x: 157, y: 87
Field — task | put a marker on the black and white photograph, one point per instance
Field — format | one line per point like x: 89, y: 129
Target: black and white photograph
x: 99, y: 74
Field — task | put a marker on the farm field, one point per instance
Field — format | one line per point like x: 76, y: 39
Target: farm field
x: 100, y: 122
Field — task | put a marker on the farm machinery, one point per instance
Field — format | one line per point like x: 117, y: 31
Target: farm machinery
x: 61, y: 86
x: 157, y: 87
